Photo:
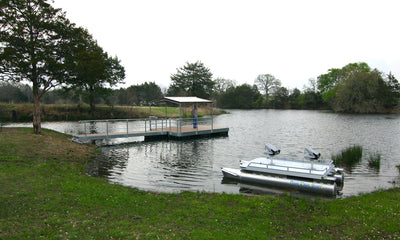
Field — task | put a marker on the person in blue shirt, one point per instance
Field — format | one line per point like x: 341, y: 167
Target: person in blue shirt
x: 194, y: 114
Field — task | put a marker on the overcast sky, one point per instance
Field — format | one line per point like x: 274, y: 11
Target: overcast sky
x: 291, y: 39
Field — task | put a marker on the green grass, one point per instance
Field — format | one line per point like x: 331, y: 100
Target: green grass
x: 45, y: 194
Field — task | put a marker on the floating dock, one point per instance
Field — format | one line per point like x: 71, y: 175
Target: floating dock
x: 169, y: 132
x: 155, y: 127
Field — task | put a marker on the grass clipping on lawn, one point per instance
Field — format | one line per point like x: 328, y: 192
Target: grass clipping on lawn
x: 45, y: 193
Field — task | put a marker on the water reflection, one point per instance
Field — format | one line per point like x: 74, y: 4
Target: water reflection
x: 115, y: 157
x: 254, y: 189
x: 93, y: 128
x: 179, y: 165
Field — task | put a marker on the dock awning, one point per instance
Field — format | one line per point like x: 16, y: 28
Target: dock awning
x: 179, y: 100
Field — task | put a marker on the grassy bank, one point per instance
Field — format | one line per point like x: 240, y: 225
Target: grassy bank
x: 23, y: 112
x: 44, y: 193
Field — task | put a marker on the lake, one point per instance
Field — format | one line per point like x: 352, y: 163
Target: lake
x: 195, y: 164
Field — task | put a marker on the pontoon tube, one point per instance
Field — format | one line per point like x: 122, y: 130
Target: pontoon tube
x: 237, y: 174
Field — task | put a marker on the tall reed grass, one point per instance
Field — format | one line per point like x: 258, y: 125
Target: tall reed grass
x: 374, y: 160
x: 348, y: 157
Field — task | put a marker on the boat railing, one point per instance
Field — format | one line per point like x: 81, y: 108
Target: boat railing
x: 323, y: 172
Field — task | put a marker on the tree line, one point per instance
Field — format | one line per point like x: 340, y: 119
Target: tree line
x: 355, y: 88
x: 193, y: 79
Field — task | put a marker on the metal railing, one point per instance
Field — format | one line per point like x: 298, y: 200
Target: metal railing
x: 145, y: 125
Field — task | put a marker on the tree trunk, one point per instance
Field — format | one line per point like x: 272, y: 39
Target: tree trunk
x: 79, y: 103
x: 91, y: 101
x: 37, y: 123
x: 92, y: 107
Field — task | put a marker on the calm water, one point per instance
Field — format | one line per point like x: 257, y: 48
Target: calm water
x: 195, y: 165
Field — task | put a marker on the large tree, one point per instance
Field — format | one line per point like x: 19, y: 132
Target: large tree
x: 93, y: 69
x: 363, y: 92
x: 311, y: 97
x: 359, y: 89
x: 193, y: 79
x: 240, y: 97
x: 142, y: 94
x: 394, y: 85
x: 280, y: 98
x: 266, y: 83
x: 35, y: 44
x: 222, y: 85
x: 327, y: 83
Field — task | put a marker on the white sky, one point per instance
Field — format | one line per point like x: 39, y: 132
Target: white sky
x: 294, y: 40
